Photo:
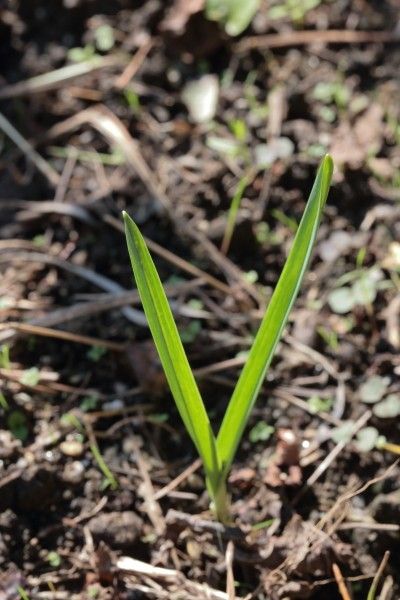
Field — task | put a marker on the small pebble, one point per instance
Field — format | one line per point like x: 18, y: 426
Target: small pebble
x: 73, y: 472
x: 279, y: 148
x: 9, y: 445
x: 201, y: 98
x: 114, y: 405
x: 72, y: 448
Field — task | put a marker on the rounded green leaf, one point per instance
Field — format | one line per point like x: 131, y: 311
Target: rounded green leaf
x: 366, y: 439
x: 374, y: 389
x: 341, y: 300
x: 388, y: 408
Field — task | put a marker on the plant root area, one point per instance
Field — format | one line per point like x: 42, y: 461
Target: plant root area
x: 152, y: 108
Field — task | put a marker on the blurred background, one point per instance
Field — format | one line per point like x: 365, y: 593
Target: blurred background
x: 205, y: 120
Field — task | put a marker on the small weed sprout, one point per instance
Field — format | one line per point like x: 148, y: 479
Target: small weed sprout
x: 217, y: 452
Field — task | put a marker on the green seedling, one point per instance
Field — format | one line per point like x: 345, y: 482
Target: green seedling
x: 295, y: 10
x: 329, y: 336
x: 89, y: 402
x: 232, y: 215
x: 318, y: 405
x: 95, y: 353
x: 375, y: 391
x: 18, y: 425
x: 239, y: 129
x: 333, y: 96
x: 82, y: 54
x: 217, y: 452
x: 366, y: 440
x: 114, y: 159
x: 71, y: 420
x: 104, y: 38
x: 54, y: 559
x: 357, y: 288
x: 261, y: 432
x: 189, y: 334
x: 288, y: 222
x: 229, y: 147
x: 234, y: 15
x: 22, y: 593
x: 3, y: 402
x: 30, y: 377
x: 332, y: 92
x: 5, y: 357
x: 109, y: 479
x: 133, y: 100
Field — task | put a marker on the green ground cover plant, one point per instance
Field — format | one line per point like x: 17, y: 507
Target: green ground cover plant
x: 217, y: 451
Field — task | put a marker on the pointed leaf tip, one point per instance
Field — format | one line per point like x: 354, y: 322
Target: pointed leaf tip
x: 126, y: 217
x: 328, y: 163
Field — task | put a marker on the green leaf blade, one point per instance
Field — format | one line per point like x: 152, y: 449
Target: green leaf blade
x: 274, y: 321
x: 170, y: 349
x: 235, y: 15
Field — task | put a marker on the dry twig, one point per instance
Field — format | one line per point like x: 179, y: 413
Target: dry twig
x: 344, y: 592
x: 41, y: 164
x: 303, y: 38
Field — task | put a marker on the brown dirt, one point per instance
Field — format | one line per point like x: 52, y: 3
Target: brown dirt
x: 64, y: 526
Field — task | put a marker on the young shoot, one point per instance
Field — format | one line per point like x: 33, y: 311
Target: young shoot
x: 217, y: 451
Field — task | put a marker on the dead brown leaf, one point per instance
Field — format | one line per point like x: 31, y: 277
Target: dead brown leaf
x: 302, y: 551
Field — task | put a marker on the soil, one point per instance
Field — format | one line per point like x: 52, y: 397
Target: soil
x: 96, y: 468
